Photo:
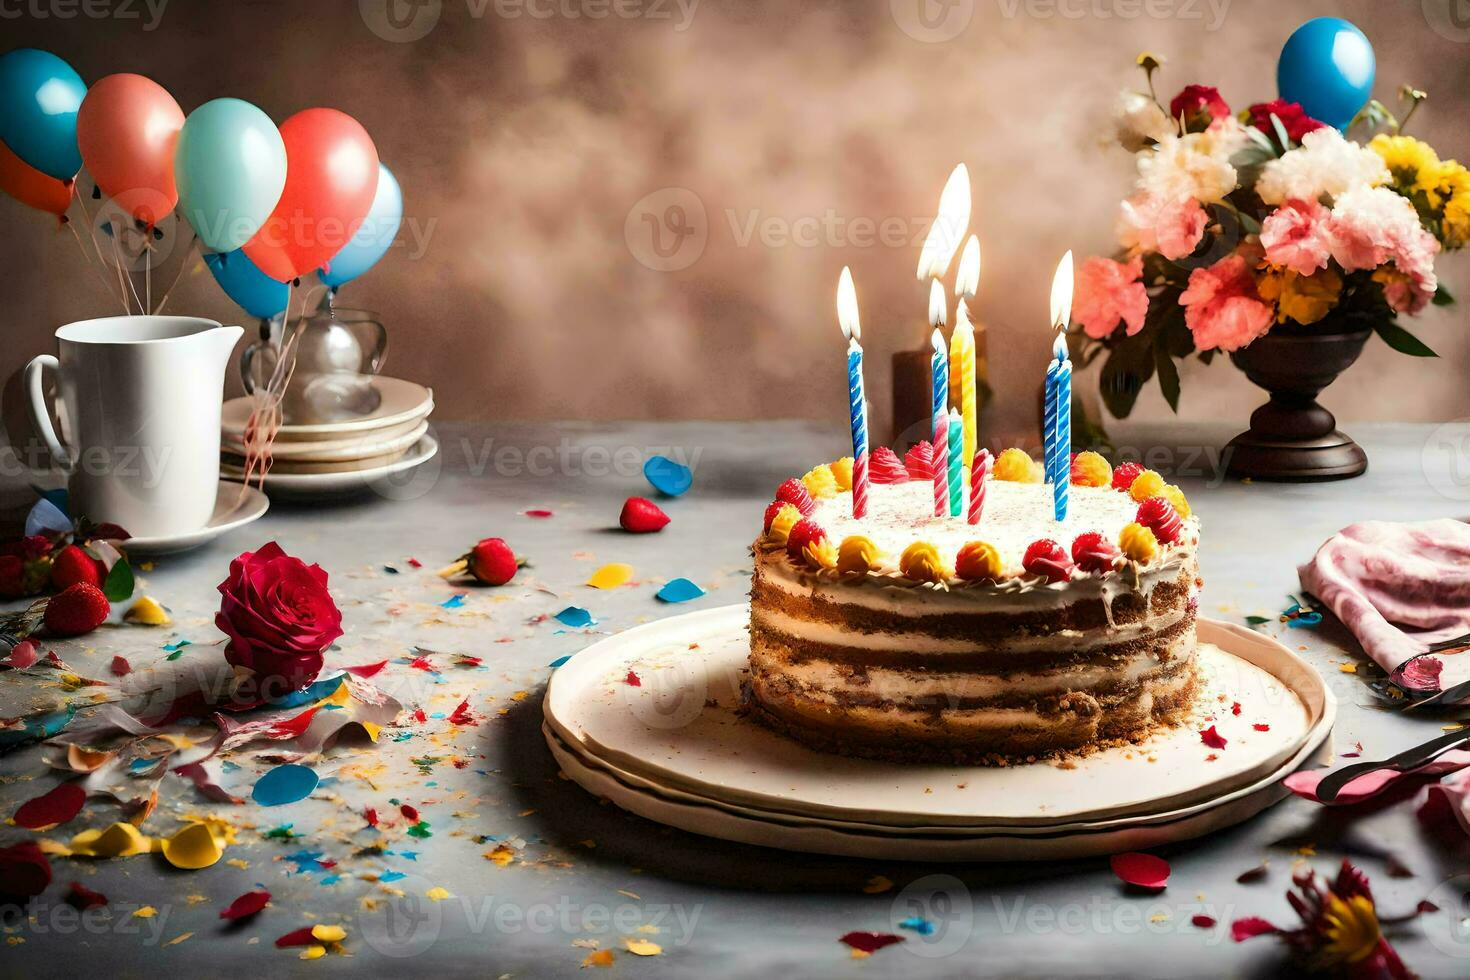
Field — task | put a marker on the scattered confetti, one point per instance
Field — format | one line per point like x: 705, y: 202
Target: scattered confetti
x: 611, y: 576
x: 918, y: 924
x: 246, y: 905
x: 146, y: 611
x: 680, y: 590
x: 1203, y: 921
x: 1212, y: 738
x: 575, y: 617
x: 601, y: 957
x: 537, y: 513
x: 668, y: 477
x: 437, y: 894
x: 57, y: 806
x: 79, y: 896
x: 120, y: 667
x: 284, y: 784
x: 454, y: 601
x: 870, y: 942
x: 643, y: 947
x: 24, y: 871
x: 877, y: 885
x: 633, y: 680
x: 1141, y: 870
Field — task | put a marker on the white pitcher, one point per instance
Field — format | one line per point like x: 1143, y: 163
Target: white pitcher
x: 142, y: 398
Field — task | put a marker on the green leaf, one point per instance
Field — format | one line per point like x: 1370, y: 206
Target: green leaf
x: 1257, y: 620
x: 119, y: 584
x: 1442, y: 297
x: 1401, y: 340
x: 1125, y: 372
x: 1281, y: 133
x: 1168, y: 377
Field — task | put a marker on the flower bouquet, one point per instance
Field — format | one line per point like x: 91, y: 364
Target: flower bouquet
x: 1267, y: 224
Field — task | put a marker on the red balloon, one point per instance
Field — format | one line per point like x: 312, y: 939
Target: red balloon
x: 331, y: 177
x: 127, y: 129
x: 29, y: 186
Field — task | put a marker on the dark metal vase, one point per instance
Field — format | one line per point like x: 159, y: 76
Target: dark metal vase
x: 1292, y: 438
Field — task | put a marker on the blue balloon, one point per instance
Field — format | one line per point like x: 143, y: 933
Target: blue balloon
x: 1327, y: 67
x: 252, y: 290
x: 374, y: 235
x: 39, y: 98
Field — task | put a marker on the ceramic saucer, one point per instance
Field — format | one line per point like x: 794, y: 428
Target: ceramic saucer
x: 402, y: 401
x: 231, y: 510
x: 341, y: 483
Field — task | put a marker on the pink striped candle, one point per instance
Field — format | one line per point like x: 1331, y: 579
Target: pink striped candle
x: 979, y: 473
x: 860, y: 485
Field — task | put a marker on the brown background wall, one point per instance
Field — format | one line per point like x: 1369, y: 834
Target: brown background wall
x: 528, y: 135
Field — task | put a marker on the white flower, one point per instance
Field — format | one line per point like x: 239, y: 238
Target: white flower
x: 1194, y: 165
x: 1140, y: 120
x: 1325, y: 163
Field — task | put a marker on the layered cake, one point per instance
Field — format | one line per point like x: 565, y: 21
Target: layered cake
x: 903, y: 635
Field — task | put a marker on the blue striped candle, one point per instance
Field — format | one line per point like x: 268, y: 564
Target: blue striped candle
x: 857, y: 403
x: 1062, y: 476
x: 1049, y: 422
x: 939, y: 370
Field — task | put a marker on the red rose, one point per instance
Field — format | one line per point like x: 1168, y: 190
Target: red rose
x: 1199, y: 105
x: 278, y: 615
x: 1296, y: 122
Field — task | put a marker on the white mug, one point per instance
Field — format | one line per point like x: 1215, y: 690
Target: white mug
x: 142, y: 398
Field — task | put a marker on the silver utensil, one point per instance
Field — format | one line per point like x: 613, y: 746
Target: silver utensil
x: 1406, y: 761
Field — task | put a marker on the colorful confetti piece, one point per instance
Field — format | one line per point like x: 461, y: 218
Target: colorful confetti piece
x: 679, y: 590
x: 611, y: 576
x: 668, y: 477
x: 284, y: 784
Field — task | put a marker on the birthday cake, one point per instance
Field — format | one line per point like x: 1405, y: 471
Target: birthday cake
x: 903, y: 635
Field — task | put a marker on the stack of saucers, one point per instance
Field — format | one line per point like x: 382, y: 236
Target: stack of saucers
x: 339, y: 455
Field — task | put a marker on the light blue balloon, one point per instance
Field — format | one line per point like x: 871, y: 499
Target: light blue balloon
x: 373, y: 237
x: 252, y: 290
x: 39, y: 98
x: 230, y: 166
x: 1327, y: 66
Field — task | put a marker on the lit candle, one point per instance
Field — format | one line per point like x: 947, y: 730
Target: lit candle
x: 979, y: 473
x: 956, y: 463
x: 1058, y: 415
x: 847, y: 319
x: 939, y: 373
x: 949, y: 227
x: 962, y: 345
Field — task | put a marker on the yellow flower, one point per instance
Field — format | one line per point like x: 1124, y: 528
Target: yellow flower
x: 820, y: 482
x: 1176, y: 497
x: 856, y: 555
x: 1138, y: 543
x: 921, y: 562
x: 842, y: 472
x: 1407, y: 159
x: 979, y: 561
x: 821, y: 553
x: 1305, y: 299
x: 1352, y: 929
x: 1145, y: 485
x: 783, y: 522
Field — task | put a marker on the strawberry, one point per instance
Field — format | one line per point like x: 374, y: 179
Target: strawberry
x: 1094, y: 553
x: 77, y: 609
x: 1160, y: 517
x: 29, y: 548
x: 886, y: 467
x: 1124, y: 474
x: 492, y: 562
x: 642, y: 516
x: 920, y: 461
x: 803, y: 533
x: 771, y: 512
x: 1048, y: 559
x: 793, y: 491
x: 12, y: 577
x: 71, y: 565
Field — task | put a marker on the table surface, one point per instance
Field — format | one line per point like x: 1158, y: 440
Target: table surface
x: 586, y: 872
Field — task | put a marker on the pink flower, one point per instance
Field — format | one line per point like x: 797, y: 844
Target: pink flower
x: 1108, y: 292
x: 279, y: 617
x: 1222, y: 308
x: 1199, y: 103
x: 1149, y: 223
x: 1372, y: 227
x: 1298, y: 236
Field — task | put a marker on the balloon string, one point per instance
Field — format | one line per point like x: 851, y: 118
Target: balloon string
x: 122, y: 296
x: 117, y: 256
x: 88, y: 259
x: 148, y: 268
x: 179, y: 274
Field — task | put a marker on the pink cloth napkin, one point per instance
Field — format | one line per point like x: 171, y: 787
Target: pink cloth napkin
x: 1399, y: 588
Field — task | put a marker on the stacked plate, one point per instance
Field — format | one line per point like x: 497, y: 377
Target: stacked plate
x: 675, y: 748
x: 337, y: 456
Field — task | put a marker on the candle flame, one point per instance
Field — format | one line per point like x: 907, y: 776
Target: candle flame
x: 1061, y: 293
x: 938, y: 307
x: 847, y: 307
x: 937, y: 339
x: 949, y: 226
x: 967, y: 280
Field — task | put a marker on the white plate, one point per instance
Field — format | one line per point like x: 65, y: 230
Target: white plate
x: 402, y: 401
x: 680, y: 728
x: 780, y: 831
x: 338, y: 484
x: 231, y: 510
x: 364, y: 446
